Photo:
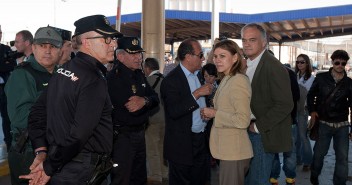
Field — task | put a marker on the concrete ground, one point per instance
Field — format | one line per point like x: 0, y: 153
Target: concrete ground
x: 302, y: 177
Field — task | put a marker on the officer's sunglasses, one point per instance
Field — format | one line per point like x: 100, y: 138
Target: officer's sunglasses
x: 337, y: 63
x: 107, y: 39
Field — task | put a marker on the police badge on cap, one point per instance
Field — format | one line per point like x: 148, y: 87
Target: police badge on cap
x: 130, y: 45
x: 97, y: 23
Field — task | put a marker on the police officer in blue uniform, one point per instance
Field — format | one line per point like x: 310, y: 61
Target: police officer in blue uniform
x: 132, y: 99
x: 79, y: 130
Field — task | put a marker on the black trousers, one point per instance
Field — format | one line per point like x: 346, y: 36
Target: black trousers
x: 129, y: 152
x: 19, y: 164
x: 75, y: 172
x: 196, y: 174
x: 5, y: 118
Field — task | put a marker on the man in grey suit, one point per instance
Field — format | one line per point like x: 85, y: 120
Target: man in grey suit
x: 154, y: 135
x: 271, y: 104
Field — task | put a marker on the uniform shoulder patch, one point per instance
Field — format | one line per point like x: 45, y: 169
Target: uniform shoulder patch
x: 67, y: 73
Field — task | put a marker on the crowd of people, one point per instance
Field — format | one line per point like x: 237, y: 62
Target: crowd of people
x: 88, y: 109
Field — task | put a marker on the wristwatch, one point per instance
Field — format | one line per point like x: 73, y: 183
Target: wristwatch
x: 40, y: 151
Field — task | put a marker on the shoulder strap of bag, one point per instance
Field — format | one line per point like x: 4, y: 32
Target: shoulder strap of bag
x: 328, y: 100
x: 157, y: 80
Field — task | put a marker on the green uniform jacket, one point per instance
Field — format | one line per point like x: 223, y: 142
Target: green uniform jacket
x: 272, y: 104
x: 22, y: 92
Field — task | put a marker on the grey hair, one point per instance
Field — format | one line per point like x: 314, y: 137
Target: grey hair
x: 256, y: 26
x: 120, y: 51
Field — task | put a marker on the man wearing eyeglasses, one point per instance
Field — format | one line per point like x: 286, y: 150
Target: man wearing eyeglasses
x: 185, y: 143
x: 132, y: 99
x: 330, y: 100
x: 78, y: 129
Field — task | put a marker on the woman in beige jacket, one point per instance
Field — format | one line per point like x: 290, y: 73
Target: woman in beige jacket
x: 229, y: 141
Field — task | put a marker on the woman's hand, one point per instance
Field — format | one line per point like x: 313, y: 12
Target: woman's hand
x: 207, y: 113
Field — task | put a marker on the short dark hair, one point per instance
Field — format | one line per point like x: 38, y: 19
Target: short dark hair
x: 210, y: 69
x: 185, y: 48
x: 151, y: 63
x: 340, y: 54
x: 26, y: 35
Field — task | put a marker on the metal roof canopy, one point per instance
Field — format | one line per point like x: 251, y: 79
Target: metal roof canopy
x: 284, y: 26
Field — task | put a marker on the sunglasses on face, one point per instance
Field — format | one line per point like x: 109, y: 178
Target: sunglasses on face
x: 300, y: 62
x: 337, y: 63
x: 200, y: 55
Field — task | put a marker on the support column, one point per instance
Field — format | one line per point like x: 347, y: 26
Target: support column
x: 215, y: 21
x: 118, y: 16
x: 153, y: 30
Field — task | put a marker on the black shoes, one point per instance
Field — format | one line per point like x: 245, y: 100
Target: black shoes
x: 314, y: 180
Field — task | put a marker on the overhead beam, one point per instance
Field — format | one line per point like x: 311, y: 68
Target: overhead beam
x: 330, y: 23
x: 304, y: 22
x: 186, y: 29
x: 277, y: 36
x: 322, y: 27
x: 318, y: 25
x: 294, y: 28
x: 342, y: 23
x: 283, y: 29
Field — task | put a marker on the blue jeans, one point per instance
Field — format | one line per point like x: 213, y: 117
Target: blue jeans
x: 341, y: 145
x: 289, y: 166
x: 303, y: 146
x: 261, y: 163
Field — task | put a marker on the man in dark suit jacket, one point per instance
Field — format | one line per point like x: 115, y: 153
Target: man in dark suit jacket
x: 185, y: 145
x: 271, y: 104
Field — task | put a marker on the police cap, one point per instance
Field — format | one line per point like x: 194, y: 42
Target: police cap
x: 65, y: 34
x: 97, y: 23
x: 130, y: 44
x: 48, y: 35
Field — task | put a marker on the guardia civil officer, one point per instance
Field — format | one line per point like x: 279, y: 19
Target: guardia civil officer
x: 22, y: 89
x: 132, y: 98
x: 79, y: 127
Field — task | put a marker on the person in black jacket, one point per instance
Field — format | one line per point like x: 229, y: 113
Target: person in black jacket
x: 132, y: 98
x: 79, y: 126
x: 332, y: 107
x: 6, y: 66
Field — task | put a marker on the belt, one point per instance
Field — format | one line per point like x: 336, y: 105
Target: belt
x: 82, y: 156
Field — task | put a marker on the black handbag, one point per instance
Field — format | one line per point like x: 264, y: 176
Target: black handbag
x: 314, y: 130
x: 313, y: 127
